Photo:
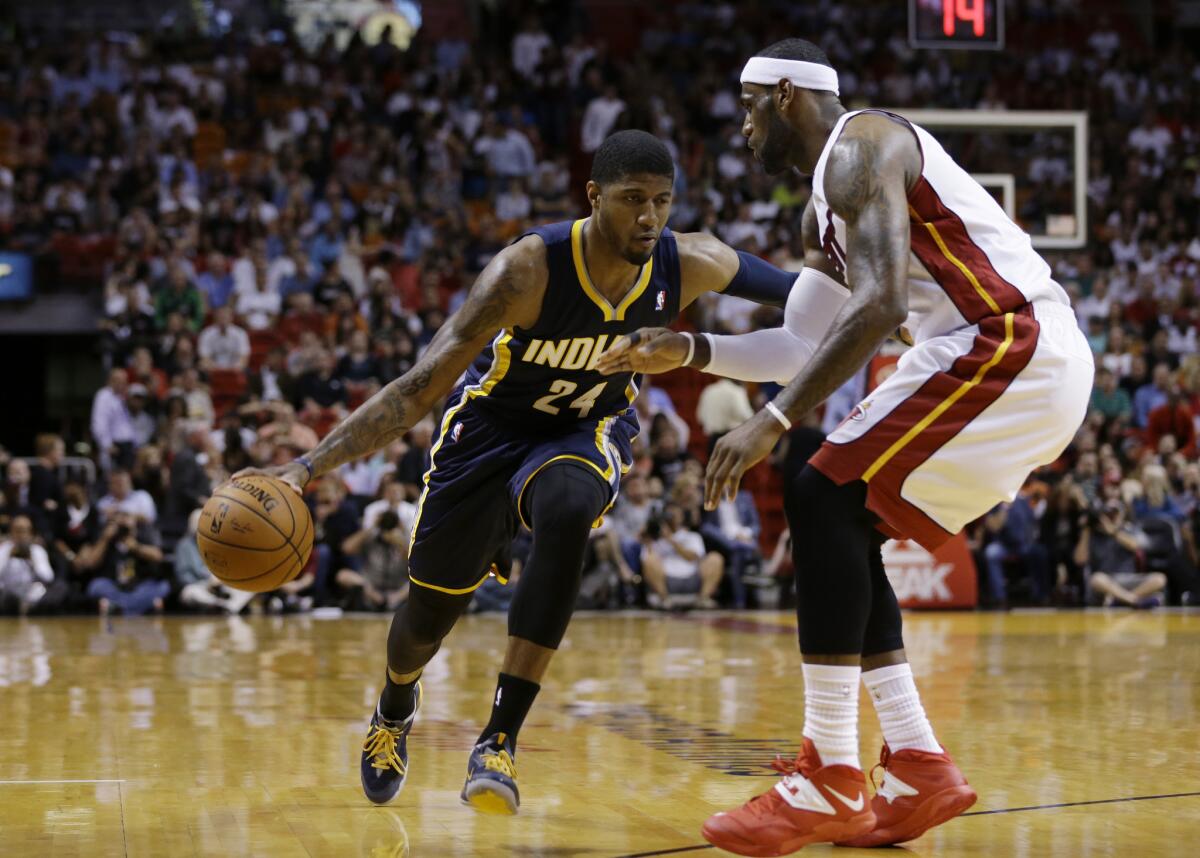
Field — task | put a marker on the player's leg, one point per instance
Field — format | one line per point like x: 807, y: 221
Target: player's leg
x: 886, y: 673
x: 417, y: 630
x: 463, y: 519
x: 832, y: 539
x: 921, y: 786
x: 562, y: 502
x: 822, y: 797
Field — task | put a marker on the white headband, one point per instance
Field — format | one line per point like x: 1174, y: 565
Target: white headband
x: 768, y: 71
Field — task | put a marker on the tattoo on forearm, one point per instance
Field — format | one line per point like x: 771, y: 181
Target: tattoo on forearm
x: 380, y: 420
x: 416, y: 380
x: 392, y: 411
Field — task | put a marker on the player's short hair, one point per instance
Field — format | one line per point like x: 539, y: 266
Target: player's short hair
x: 796, y: 49
x: 628, y: 152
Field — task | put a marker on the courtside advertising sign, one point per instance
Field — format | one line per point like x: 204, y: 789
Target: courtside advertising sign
x: 944, y: 578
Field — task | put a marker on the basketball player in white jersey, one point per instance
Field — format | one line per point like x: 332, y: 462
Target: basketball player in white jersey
x: 899, y: 240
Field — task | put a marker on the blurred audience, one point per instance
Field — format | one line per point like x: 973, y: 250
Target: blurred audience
x: 269, y: 247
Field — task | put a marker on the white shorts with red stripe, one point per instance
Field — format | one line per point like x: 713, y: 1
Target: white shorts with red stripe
x: 963, y: 421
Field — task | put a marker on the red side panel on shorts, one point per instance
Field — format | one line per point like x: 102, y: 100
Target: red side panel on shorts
x: 974, y: 286
x: 851, y: 461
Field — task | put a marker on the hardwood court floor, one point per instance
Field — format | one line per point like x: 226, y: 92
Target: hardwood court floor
x: 240, y: 737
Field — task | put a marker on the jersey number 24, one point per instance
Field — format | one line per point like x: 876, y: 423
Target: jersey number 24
x: 560, y: 388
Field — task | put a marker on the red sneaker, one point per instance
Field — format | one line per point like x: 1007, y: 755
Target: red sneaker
x: 811, y: 804
x: 920, y: 789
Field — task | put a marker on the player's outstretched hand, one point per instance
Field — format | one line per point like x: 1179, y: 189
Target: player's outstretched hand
x: 293, y: 473
x: 649, y: 350
x: 736, y: 453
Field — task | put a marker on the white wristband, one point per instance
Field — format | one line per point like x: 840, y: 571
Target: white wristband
x: 691, y: 349
x: 774, y: 411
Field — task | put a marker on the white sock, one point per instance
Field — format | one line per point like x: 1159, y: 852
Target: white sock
x: 899, y: 708
x: 831, y: 712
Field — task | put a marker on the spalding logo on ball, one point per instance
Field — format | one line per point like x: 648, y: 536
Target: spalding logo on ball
x: 255, y: 533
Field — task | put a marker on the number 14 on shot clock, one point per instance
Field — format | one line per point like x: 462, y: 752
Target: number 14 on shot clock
x: 956, y: 24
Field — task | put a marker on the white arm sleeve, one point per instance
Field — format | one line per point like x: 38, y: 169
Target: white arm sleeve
x: 777, y: 354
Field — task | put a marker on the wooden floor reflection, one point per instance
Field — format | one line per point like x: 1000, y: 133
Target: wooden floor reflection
x: 240, y: 737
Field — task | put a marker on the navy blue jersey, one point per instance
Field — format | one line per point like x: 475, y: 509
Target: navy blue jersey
x: 543, y: 379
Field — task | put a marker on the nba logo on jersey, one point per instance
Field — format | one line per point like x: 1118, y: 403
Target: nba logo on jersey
x: 456, y: 431
x: 661, y: 300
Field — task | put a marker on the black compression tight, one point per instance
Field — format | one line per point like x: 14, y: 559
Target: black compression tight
x: 845, y: 605
x: 565, y: 498
x: 419, y: 625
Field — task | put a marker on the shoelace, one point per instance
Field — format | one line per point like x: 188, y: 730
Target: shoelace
x: 792, y: 769
x: 500, y: 761
x: 764, y: 803
x: 381, y: 745
x: 884, y: 756
x: 785, y: 766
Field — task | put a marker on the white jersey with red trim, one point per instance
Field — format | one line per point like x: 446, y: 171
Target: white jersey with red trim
x: 969, y: 260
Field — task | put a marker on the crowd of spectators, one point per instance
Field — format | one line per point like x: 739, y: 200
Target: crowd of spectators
x: 276, y: 232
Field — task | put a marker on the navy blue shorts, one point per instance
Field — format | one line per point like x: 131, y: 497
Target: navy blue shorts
x: 478, y: 478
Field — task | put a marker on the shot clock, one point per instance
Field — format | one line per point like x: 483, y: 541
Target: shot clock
x: 956, y: 24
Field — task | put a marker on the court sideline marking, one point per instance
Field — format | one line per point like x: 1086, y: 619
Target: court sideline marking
x: 79, y: 781
x: 699, y: 847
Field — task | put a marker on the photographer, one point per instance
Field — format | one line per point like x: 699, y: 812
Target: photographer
x: 382, y: 549
x: 674, y: 563
x: 126, y: 558
x: 392, y: 494
x: 1108, y: 547
x: 26, y: 577
x: 76, y: 529
x: 1015, y: 540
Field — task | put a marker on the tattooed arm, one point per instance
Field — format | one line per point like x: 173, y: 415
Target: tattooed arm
x: 866, y: 184
x: 867, y: 177
x: 508, y: 293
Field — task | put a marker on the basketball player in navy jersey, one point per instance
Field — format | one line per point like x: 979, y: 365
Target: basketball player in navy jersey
x: 898, y: 238
x: 533, y: 434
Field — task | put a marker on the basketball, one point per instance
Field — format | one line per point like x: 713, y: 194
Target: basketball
x: 255, y: 533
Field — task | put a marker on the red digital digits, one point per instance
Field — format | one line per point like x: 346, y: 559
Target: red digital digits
x: 954, y: 11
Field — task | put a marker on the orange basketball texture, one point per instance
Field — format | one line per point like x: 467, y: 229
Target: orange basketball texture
x: 255, y: 533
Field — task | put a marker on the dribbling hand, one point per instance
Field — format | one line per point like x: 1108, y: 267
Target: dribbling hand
x: 649, y: 350
x: 293, y: 473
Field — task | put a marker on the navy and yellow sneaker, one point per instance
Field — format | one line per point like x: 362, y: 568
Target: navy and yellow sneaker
x: 384, y: 766
x: 491, y: 785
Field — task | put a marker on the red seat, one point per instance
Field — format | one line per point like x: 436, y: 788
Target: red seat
x: 261, y: 342
x: 356, y: 395
x: 227, y: 382
x: 227, y: 387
